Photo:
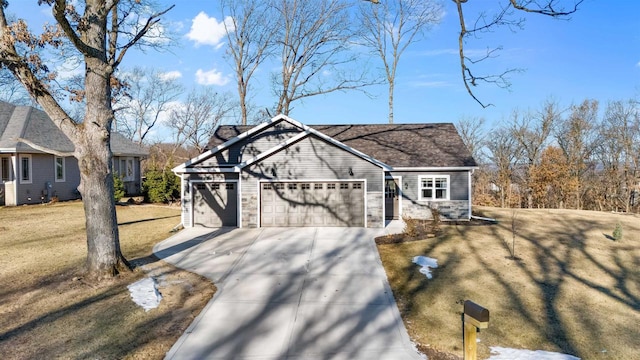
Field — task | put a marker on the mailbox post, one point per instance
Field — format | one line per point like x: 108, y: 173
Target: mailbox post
x: 475, y: 317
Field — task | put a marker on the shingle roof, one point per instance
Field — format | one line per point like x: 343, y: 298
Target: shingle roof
x: 34, y: 125
x: 397, y: 145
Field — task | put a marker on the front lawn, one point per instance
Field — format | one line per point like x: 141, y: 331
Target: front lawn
x: 48, y: 311
x: 570, y: 288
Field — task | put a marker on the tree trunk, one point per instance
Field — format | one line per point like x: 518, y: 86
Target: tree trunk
x: 391, y: 102
x: 104, y: 258
x: 93, y: 151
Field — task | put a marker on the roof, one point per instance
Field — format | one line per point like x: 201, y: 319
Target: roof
x: 35, y: 125
x: 398, y: 145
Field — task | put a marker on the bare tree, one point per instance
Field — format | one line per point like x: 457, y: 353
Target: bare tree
x: 505, y: 16
x: 391, y: 26
x: 503, y: 153
x: 471, y: 130
x: 576, y: 137
x: 249, y: 42
x: 149, y: 95
x: 195, y: 121
x: 531, y: 131
x: 11, y: 90
x: 617, y: 149
x: 314, y: 40
x: 101, y: 32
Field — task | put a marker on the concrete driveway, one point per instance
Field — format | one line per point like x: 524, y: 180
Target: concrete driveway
x: 289, y: 293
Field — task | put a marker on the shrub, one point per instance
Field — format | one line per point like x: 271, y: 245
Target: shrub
x: 435, y: 219
x: 410, y: 227
x: 118, y: 188
x: 161, y: 186
x: 617, y: 232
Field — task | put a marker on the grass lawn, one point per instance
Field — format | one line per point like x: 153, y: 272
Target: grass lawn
x: 571, y: 288
x: 48, y: 311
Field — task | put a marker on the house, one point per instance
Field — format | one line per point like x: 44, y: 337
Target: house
x: 284, y: 173
x: 29, y: 176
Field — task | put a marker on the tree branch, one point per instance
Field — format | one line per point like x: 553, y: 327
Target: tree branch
x: 45, y: 149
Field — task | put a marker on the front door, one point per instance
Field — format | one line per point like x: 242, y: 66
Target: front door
x: 391, y: 199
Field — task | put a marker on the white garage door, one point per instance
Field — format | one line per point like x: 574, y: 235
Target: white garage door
x: 332, y: 203
x: 215, y: 204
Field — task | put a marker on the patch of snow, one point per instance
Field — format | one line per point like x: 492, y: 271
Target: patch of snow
x: 500, y: 353
x: 427, y: 264
x: 145, y: 293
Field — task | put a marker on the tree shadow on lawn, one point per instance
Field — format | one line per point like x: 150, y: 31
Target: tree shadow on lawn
x: 555, y: 264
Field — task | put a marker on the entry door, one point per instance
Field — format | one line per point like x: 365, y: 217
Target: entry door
x: 391, y: 199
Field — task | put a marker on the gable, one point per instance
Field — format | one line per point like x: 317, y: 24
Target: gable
x: 254, y: 143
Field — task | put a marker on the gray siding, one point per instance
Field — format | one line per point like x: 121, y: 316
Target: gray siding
x: 457, y: 207
x: 43, y: 173
x: 256, y: 144
x: 308, y: 159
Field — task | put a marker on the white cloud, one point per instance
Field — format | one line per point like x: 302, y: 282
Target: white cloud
x: 211, y: 77
x: 638, y: 64
x: 170, y: 75
x: 207, y: 30
x: 430, y: 84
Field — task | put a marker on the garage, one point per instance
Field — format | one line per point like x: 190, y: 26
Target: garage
x: 327, y: 203
x: 215, y: 204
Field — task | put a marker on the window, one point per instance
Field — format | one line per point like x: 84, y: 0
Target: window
x: 5, y: 169
x: 25, y: 169
x: 357, y: 186
x: 305, y: 186
x: 266, y: 186
x: 344, y: 185
x: 126, y: 169
x: 331, y: 186
x: 59, y: 168
x: 434, y: 187
x: 201, y: 186
x: 280, y: 186
x: 292, y: 186
x: 229, y: 186
x: 317, y: 186
x: 215, y: 186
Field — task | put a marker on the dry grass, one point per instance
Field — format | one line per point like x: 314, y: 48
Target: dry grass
x: 48, y: 311
x: 573, y: 289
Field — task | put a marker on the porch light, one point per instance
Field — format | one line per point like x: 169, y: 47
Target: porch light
x: 350, y: 171
x: 273, y: 173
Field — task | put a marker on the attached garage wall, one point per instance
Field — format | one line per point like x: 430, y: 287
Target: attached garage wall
x: 312, y: 160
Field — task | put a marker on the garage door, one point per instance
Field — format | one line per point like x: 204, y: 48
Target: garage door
x: 312, y: 204
x: 215, y: 204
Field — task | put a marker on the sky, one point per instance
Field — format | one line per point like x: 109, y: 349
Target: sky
x: 594, y: 55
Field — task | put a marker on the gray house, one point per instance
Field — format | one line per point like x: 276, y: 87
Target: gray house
x: 284, y: 173
x: 30, y: 176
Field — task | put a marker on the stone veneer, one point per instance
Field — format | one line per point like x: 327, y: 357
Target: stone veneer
x: 449, y: 210
x: 374, y: 209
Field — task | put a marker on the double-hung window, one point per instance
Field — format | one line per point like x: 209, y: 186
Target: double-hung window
x: 434, y: 187
x: 25, y: 169
x: 59, y: 168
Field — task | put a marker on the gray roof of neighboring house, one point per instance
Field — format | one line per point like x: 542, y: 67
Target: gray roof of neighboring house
x: 34, y: 125
x: 397, y: 145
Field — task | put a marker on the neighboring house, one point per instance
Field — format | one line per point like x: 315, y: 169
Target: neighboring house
x: 29, y: 176
x: 284, y: 173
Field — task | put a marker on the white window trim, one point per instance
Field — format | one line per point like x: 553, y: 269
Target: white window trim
x: 55, y: 168
x: 30, y: 180
x: 434, y: 177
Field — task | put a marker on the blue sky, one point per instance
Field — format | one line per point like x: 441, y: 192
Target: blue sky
x: 594, y: 55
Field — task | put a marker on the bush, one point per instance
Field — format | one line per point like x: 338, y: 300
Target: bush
x: 161, y: 186
x: 118, y: 188
x: 411, y: 225
x: 617, y: 232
